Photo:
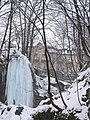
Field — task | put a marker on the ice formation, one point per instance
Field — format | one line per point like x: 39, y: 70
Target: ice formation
x: 19, y: 87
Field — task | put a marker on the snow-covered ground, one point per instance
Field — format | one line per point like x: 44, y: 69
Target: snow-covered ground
x: 20, y: 112
x: 70, y: 96
x: 42, y: 84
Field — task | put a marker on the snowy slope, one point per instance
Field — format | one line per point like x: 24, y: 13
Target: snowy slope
x: 42, y: 84
x: 70, y: 96
x: 21, y: 112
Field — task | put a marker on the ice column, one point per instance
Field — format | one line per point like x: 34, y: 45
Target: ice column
x: 19, y: 87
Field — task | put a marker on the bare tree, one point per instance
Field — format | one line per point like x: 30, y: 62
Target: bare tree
x: 78, y: 16
x: 48, y: 58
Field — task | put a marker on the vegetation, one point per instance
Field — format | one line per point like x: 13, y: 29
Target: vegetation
x: 65, y: 23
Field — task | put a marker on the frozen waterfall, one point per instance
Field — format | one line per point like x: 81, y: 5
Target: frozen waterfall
x: 19, y: 87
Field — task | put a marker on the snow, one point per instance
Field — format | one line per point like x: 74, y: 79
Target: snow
x: 19, y: 88
x: 69, y: 95
x: 71, y: 99
x: 26, y: 114
x: 53, y: 81
x: 43, y: 85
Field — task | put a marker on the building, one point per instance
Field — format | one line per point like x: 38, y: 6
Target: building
x: 63, y: 60
x: 38, y: 57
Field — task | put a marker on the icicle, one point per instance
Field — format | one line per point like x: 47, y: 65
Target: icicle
x: 19, y: 88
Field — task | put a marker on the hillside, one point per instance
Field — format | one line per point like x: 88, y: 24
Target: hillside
x: 78, y: 105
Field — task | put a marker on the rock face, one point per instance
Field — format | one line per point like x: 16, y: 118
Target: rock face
x: 88, y: 96
x: 36, y: 97
x: 45, y: 116
x: 44, y: 112
x: 89, y: 112
x: 53, y: 116
x: 2, y: 82
x: 19, y: 110
x: 1, y: 86
x: 88, y: 101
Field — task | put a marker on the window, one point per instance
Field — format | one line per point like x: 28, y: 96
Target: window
x: 69, y: 59
x: 36, y: 56
x: 43, y: 57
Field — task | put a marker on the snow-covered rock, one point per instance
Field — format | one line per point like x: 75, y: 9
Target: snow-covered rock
x: 42, y: 86
x: 77, y: 98
x: 12, y: 112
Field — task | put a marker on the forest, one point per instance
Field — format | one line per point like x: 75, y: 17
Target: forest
x: 45, y: 59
